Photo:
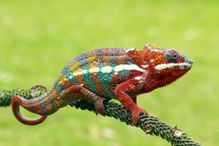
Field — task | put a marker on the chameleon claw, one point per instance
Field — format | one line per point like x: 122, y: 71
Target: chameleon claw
x: 20, y: 117
x: 135, y: 115
x: 37, y: 87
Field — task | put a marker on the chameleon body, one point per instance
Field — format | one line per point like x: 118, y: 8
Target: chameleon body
x: 103, y: 74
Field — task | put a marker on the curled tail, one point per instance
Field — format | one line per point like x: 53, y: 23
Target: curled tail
x: 20, y: 117
x: 43, y: 105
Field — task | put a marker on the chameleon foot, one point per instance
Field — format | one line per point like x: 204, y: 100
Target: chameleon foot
x: 37, y: 90
x: 135, y: 114
x: 99, y: 106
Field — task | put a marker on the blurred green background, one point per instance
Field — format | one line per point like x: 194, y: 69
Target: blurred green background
x: 38, y: 37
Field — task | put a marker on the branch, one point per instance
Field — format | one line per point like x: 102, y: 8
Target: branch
x: 149, y: 124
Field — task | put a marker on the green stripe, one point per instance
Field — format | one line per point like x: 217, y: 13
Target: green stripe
x: 58, y: 87
x: 52, y: 102
x: 43, y: 105
x: 87, y: 76
x: 105, y: 78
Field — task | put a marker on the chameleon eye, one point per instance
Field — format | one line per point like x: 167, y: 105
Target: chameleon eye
x: 171, y: 56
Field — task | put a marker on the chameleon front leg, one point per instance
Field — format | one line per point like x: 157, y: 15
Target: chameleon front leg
x: 122, y: 92
x: 134, y: 98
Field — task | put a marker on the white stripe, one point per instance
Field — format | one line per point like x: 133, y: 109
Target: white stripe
x: 106, y: 69
x: 84, y: 71
x: 169, y: 65
x: 94, y: 69
x: 145, y: 66
x: 121, y: 67
x: 139, y: 78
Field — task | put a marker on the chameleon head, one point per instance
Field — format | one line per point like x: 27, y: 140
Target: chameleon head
x: 165, y: 65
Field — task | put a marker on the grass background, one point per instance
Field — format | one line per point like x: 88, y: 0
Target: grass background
x: 38, y: 37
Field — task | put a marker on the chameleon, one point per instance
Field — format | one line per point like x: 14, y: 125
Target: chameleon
x: 103, y: 74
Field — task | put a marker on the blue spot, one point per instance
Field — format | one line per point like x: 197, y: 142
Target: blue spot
x: 171, y: 56
x: 124, y: 73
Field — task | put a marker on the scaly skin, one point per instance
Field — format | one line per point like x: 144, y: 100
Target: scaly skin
x: 103, y: 74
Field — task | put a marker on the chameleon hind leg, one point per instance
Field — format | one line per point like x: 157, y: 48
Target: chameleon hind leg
x: 97, y: 100
x: 86, y: 94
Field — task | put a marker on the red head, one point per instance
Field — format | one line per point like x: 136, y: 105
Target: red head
x: 164, y: 66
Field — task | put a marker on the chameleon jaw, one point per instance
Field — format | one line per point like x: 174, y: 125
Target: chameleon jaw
x: 182, y: 66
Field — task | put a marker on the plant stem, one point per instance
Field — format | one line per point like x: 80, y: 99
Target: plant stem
x: 149, y: 124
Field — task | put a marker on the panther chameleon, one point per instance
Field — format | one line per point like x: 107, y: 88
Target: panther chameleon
x: 107, y: 73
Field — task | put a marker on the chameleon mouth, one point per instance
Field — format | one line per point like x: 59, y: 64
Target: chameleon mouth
x: 181, y: 66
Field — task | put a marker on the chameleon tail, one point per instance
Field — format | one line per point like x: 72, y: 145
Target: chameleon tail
x: 42, y: 105
x: 16, y: 100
